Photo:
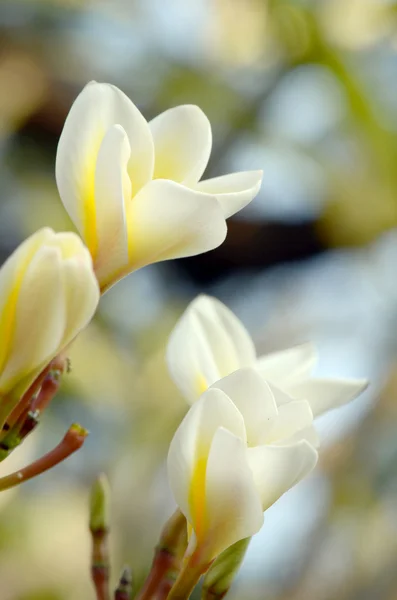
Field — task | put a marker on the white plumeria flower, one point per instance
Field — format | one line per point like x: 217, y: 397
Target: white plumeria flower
x: 209, y: 342
x: 239, y: 448
x: 132, y: 188
x: 49, y: 292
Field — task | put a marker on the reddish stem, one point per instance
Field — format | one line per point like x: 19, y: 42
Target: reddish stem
x: 100, y: 563
x: 48, y: 390
x: 73, y: 440
x: 163, y: 563
x: 167, y: 559
x: 23, y: 405
x: 164, y: 589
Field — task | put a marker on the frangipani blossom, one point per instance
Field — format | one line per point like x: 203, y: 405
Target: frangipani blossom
x: 133, y: 188
x: 48, y: 293
x: 209, y: 342
x: 239, y: 448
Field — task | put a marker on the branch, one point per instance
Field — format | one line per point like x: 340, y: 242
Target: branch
x: 73, y: 440
x: 167, y: 559
x: 99, y: 528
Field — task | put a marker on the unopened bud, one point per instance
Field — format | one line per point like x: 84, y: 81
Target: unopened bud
x: 124, y: 589
x: 223, y: 570
x: 99, y: 504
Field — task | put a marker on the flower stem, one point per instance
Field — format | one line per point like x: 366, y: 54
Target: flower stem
x: 162, y: 564
x: 167, y: 559
x: 100, y: 563
x: 73, y: 440
x: 99, y: 528
x: 39, y: 394
x: 188, y: 577
x: 48, y: 390
x: 11, y: 409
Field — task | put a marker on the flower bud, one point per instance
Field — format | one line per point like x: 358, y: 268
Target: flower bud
x: 220, y: 575
x: 48, y: 294
x: 99, y: 504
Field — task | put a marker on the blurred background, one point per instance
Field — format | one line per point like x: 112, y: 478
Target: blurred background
x: 307, y: 91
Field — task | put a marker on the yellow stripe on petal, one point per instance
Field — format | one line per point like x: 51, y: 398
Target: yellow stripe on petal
x: 197, y: 496
x: 201, y: 384
x: 7, y: 324
x: 88, y: 196
x: 7, y: 317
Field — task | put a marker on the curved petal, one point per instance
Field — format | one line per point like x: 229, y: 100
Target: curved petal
x: 12, y: 274
x: 325, y: 394
x: 233, y: 504
x: 281, y: 397
x: 97, y: 108
x: 276, y: 469
x: 190, y: 446
x: 40, y: 317
x: 166, y: 220
x: 233, y: 191
x: 182, y: 142
x: 285, y: 366
x: 189, y: 357
x: 207, y: 343
x: 307, y: 433
x: 112, y: 193
x: 81, y: 293
x: 291, y: 418
x: 80, y: 286
x: 254, y: 399
x: 70, y: 246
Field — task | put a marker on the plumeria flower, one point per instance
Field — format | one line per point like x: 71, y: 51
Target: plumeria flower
x: 209, y: 342
x: 239, y: 448
x: 133, y: 188
x: 49, y: 292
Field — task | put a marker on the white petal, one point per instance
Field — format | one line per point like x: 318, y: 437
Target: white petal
x: 291, y: 418
x: 70, y: 245
x: 307, y: 433
x: 112, y: 193
x: 254, y: 399
x: 80, y: 285
x: 293, y: 364
x: 190, y: 360
x: 82, y: 295
x: 12, y: 274
x: 40, y: 317
x: 278, y: 468
x: 207, y: 343
x: 233, y: 191
x: 233, y: 503
x: 167, y: 220
x: 325, y: 394
x: 192, y: 442
x: 182, y: 141
x: 97, y: 108
x: 181, y: 460
x: 281, y: 397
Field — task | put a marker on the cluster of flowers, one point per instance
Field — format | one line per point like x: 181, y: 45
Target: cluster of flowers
x: 133, y: 190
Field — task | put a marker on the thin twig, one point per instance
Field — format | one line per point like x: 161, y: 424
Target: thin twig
x: 73, y: 440
x: 99, y: 528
